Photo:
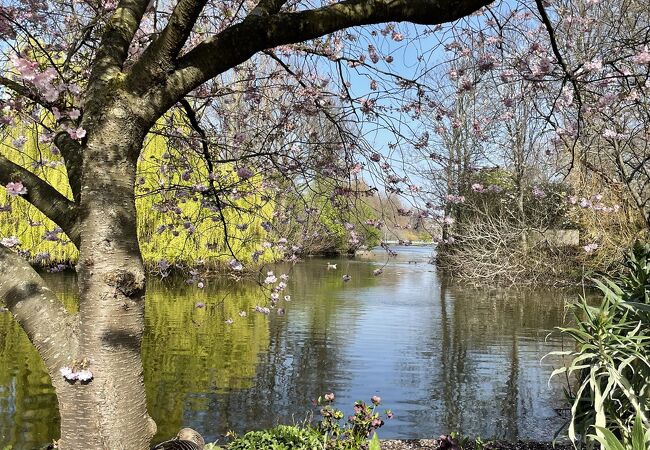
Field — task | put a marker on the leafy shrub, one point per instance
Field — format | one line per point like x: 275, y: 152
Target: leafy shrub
x: 610, y: 363
x: 354, y: 433
x: 327, y: 434
x: 282, y: 437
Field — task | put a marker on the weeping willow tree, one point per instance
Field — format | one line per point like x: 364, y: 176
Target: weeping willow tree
x: 175, y: 226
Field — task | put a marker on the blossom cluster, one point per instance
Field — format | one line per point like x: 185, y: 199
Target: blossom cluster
x: 71, y: 374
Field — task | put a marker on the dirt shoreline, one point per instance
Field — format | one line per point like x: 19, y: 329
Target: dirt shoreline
x: 434, y: 444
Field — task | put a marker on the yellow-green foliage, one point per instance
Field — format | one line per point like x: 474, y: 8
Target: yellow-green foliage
x: 205, y: 242
x: 24, y: 221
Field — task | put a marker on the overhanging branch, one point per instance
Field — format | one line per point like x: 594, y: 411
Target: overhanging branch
x: 191, y: 116
x: 54, y: 205
x: 239, y: 42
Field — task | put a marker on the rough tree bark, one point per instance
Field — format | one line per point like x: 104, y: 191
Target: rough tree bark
x: 122, y: 103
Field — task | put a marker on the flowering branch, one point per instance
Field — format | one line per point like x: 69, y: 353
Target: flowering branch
x: 43, y: 196
x: 24, y: 91
x: 239, y: 42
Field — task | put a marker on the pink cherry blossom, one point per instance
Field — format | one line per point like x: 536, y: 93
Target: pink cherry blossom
x: 643, y: 57
x: 26, y: 68
x: 10, y: 242
x: 16, y: 188
x: 77, y: 133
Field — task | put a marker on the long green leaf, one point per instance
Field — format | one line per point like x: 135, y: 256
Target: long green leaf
x: 374, y: 443
x: 608, y: 440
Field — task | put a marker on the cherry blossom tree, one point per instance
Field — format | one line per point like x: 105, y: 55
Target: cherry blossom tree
x: 97, y: 77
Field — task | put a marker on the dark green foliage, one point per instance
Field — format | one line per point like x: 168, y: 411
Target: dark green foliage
x: 282, y: 437
x: 611, y: 362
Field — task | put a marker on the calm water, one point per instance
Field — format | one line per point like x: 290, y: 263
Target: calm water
x: 441, y: 356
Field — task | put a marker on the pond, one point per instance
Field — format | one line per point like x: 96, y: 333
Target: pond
x: 442, y: 356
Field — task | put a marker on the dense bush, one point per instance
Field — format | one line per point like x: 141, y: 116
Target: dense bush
x: 282, y: 437
x: 499, y: 231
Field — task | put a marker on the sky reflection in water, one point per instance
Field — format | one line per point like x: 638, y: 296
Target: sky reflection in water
x: 441, y: 356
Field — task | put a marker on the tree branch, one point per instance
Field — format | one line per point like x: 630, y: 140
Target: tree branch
x: 71, y: 151
x: 44, y: 197
x: 267, y: 7
x: 239, y: 42
x: 191, y: 116
x: 117, y: 37
x: 24, y: 91
x: 158, y: 58
x: 37, y: 309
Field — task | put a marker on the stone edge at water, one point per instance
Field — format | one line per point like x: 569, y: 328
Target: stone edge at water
x: 433, y: 444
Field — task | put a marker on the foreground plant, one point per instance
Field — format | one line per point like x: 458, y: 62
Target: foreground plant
x: 354, y: 433
x: 639, y: 438
x: 358, y: 433
x: 610, y: 364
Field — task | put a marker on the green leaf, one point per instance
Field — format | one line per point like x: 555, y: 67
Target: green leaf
x: 638, y: 434
x: 374, y: 443
x: 608, y: 440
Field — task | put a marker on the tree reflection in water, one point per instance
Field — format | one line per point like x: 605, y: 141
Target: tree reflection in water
x: 443, y: 357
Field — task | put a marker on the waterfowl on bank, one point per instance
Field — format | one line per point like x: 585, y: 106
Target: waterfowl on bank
x: 331, y: 266
x: 186, y: 439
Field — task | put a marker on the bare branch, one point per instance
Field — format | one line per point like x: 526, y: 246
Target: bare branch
x: 44, y: 197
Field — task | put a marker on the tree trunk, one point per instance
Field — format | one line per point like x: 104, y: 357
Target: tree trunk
x: 110, y: 411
